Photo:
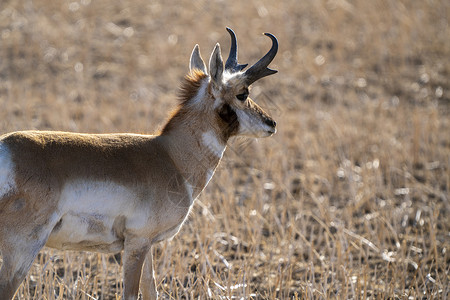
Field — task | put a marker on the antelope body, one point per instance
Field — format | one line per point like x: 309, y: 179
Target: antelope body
x: 114, y: 192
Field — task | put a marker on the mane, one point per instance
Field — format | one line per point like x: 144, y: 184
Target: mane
x: 190, y: 85
x: 188, y: 90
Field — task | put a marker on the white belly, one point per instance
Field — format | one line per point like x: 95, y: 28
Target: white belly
x: 88, y: 232
x: 94, y: 216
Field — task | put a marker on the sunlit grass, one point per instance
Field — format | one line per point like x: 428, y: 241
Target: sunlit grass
x: 348, y: 200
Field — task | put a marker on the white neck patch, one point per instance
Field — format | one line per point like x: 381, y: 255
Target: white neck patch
x: 211, y: 142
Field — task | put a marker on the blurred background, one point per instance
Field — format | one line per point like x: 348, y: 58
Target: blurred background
x: 349, y: 199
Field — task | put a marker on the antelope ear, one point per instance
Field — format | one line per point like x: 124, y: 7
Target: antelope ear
x: 216, y: 65
x: 197, y: 61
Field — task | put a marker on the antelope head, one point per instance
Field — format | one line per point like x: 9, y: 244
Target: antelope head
x: 228, y: 90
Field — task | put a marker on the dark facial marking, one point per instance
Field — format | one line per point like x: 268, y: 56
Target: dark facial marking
x: 227, y: 114
x: 229, y: 119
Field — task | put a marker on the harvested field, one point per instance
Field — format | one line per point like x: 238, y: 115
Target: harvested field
x: 348, y: 200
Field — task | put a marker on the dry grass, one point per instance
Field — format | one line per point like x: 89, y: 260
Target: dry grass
x: 349, y: 200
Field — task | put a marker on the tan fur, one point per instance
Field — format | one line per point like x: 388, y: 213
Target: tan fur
x: 113, y: 192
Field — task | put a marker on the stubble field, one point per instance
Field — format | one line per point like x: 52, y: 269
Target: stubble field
x: 349, y: 199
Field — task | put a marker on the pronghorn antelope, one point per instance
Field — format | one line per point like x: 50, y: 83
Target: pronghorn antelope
x: 114, y: 192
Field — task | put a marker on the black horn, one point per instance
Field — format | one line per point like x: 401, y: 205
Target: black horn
x: 260, y: 69
x: 232, y: 62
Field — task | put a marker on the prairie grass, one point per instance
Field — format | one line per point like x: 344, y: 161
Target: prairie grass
x: 348, y: 200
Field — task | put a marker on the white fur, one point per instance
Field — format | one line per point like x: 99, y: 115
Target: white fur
x: 7, y: 182
x: 213, y: 145
x: 85, y: 202
x: 227, y: 76
x: 84, y: 196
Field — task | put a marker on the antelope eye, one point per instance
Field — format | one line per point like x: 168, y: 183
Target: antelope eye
x: 242, y: 97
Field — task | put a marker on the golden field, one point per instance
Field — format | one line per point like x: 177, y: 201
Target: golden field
x: 349, y: 199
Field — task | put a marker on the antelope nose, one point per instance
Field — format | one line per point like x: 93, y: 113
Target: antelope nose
x: 271, y: 122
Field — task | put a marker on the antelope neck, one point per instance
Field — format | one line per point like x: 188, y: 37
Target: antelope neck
x: 196, y: 154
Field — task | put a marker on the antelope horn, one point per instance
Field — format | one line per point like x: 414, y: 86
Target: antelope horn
x: 260, y: 70
x: 232, y: 62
